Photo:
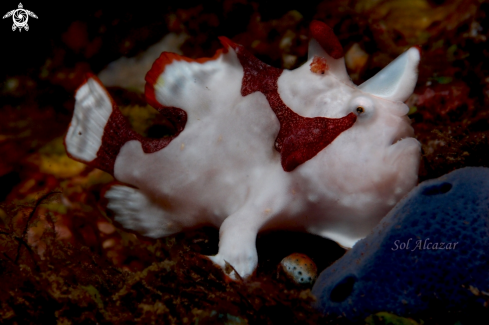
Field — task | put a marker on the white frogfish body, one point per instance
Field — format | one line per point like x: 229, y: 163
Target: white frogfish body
x: 256, y: 147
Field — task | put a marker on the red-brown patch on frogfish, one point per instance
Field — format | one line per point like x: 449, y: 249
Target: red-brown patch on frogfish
x: 118, y: 131
x: 326, y: 38
x: 300, y: 138
x: 165, y: 59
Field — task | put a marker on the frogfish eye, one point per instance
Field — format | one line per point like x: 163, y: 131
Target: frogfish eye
x: 360, y: 110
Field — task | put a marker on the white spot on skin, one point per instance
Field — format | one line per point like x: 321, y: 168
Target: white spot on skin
x: 313, y: 198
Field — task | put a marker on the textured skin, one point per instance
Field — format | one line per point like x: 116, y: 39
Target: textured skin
x: 256, y: 148
x: 378, y: 275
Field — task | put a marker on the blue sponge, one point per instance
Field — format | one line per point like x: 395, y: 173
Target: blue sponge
x: 426, y: 254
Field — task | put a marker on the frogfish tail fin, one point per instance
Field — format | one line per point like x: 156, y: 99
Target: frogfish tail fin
x: 98, y: 129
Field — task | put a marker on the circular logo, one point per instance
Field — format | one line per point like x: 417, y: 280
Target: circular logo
x: 20, y: 18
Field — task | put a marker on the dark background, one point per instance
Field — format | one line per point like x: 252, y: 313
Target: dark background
x: 25, y: 51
